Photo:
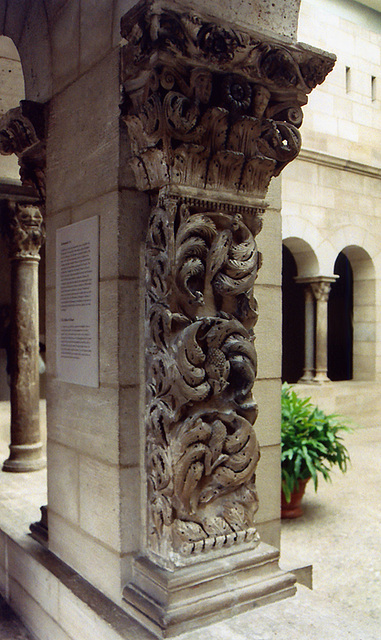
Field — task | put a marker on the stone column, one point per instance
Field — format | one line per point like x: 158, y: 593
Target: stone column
x: 25, y: 234
x: 321, y: 288
x: 212, y: 115
x: 309, y: 338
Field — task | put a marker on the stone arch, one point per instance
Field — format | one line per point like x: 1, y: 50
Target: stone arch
x: 364, y: 312
x: 298, y: 261
x: 304, y: 256
x: 26, y: 24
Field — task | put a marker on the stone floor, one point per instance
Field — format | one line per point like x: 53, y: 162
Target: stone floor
x: 340, y: 531
x: 339, y: 534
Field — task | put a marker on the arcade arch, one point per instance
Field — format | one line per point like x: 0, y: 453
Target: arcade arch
x: 330, y: 331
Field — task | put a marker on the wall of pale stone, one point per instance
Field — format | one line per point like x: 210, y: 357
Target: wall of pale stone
x: 332, y: 192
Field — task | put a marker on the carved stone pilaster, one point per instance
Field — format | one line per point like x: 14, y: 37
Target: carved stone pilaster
x: 202, y: 451
x: 24, y: 232
x: 212, y: 115
x: 22, y: 132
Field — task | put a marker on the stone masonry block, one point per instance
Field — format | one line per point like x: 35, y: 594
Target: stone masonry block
x: 95, y: 31
x: 64, y: 484
x: 75, y: 548
x: 85, y: 419
x: 84, y: 164
x: 131, y: 509
x: 131, y: 308
x: 269, y: 331
x: 131, y: 418
x: 267, y: 425
x: 269, y: 243
x: 34, y: 578
x: 99, y: 501
x: 268, y: 484
x: 65, y: 44
x: 34, y: 616
x: 108, y: 332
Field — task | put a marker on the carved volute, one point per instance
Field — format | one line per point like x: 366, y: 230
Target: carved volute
x: 212, y: 114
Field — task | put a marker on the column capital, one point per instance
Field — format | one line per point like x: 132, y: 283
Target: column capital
x: 210, y: 106
x: 22, y: 132
x: 320, y: 285
x: 23, y: 229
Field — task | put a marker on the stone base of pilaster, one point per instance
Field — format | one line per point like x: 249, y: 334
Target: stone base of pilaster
x: 170, y: 602
x: 39, y: 530
x: 24, y: 458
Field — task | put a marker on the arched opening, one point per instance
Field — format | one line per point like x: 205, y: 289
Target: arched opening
x: 340, y: 322
x: 292, y: 320
x: 364, y: 312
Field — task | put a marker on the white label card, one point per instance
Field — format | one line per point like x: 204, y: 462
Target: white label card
x: 77, y: 252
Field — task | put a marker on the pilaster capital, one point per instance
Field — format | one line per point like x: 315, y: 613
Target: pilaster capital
x: 22, y: 132
x: 23, y: 229
x: 210, y: 106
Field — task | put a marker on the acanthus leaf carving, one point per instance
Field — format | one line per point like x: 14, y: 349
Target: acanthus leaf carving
x: 210, y: 106
x: 202, y: 451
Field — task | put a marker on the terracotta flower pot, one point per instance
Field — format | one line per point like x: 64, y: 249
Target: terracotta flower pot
x: 293, y: 508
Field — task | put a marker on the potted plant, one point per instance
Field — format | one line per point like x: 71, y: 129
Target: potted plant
x: 311, y: 444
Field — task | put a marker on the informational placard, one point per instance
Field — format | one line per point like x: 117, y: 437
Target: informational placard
x: 77, y: 252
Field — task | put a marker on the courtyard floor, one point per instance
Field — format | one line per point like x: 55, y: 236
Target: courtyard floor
x: 340, y: 531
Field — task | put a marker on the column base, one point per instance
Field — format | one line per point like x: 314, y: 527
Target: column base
x: 321, y: 376
x: 24, y: 458
x: 170, y: 602
x: 306, y: 378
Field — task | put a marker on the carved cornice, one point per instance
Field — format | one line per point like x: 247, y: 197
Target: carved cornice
x: 23, y: 229
x: 210, y: 106
x: 22, y: 133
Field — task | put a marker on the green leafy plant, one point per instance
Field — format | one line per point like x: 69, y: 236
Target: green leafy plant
x: 311, y: 443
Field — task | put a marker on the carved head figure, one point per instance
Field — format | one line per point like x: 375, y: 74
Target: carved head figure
x: 25, y: 229
x: 260, y: 101
x: 201, y: 84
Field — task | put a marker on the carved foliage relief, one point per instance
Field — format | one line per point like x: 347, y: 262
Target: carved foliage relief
x: 213, y: 114
x: 201, y: 366
x: 208, y: 106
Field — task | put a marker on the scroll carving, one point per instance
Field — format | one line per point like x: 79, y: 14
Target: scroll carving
x: 201, y: 366
x: 218, y: 108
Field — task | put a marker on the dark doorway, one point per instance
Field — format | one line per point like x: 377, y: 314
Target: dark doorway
x: 340, y: 322
x: 292, y: 320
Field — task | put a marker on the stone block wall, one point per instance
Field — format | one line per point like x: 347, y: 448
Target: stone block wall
x: 331, y: 194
